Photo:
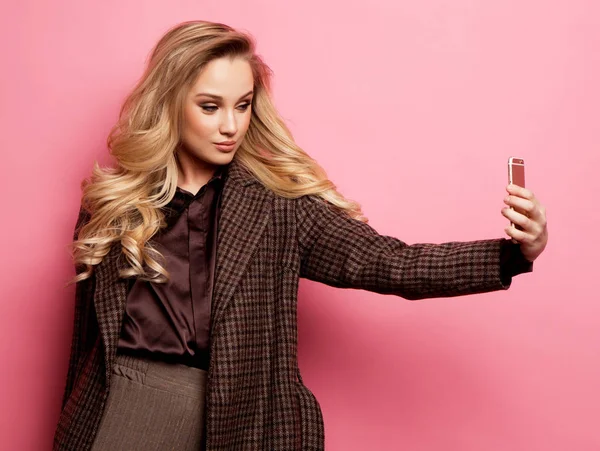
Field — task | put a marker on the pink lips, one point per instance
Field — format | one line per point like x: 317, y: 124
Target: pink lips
x: 225, y: 146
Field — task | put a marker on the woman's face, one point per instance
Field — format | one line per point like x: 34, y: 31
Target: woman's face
x: 217, y: 109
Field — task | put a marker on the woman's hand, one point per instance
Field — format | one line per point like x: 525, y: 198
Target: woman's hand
x: 532, y: 219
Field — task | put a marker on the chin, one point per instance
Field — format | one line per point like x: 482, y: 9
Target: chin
x: 216, y: 158
x: 226, y: 158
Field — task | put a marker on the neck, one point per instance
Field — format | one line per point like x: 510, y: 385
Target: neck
x: 192, y: 171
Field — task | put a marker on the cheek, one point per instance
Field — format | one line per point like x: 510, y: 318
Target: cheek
x: 245, y: 123
x: 204, y: 129
x: 200, y: 126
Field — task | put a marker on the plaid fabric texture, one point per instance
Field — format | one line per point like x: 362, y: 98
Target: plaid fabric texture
x: 256, y: 399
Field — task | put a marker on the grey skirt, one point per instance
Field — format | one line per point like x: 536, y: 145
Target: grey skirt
x: 153, y: 405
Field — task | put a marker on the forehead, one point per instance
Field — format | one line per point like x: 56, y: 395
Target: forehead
x: 226, y: 77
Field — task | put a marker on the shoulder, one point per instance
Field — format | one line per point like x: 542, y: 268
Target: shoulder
x: 83, y: 217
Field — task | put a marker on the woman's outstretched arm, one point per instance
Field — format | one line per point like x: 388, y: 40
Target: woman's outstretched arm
x: 343, y: 252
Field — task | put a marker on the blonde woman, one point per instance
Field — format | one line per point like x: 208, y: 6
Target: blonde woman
x: 189, y: 250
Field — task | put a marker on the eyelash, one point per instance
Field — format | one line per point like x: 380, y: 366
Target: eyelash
x: 212, y: 109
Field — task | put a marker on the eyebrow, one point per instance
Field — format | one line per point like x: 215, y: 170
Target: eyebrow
x: 214, y: 96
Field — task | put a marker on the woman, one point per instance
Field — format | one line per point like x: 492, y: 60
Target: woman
x: 189, y: 252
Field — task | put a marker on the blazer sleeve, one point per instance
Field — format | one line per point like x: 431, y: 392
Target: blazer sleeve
x: 81, y: 312
x: 346, y: 253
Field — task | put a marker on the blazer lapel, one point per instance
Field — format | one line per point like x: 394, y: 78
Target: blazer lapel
x: 244, y: 213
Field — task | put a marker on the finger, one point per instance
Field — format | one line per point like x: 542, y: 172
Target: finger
x: 517, y: 235
x: 528, y: 207
x: 520, y: 191
x: 520, y: 219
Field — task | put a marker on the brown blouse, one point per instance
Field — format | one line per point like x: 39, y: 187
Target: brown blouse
x: 171, y: 321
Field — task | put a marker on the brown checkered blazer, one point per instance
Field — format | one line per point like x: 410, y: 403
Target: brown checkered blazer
x: 256, y: 399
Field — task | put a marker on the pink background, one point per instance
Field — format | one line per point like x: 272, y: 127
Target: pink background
x: 413, y: 108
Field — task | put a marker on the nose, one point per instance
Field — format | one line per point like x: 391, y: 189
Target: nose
x: 228, y: 123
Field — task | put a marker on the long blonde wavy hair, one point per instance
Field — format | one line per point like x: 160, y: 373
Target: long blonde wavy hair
x: 123, y: 203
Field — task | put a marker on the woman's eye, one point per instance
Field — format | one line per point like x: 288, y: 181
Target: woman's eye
x: 213, y: 108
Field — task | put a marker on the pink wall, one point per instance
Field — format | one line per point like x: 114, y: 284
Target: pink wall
x: 413, y: 108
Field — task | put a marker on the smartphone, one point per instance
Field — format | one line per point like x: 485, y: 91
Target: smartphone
x: 516, y: 176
